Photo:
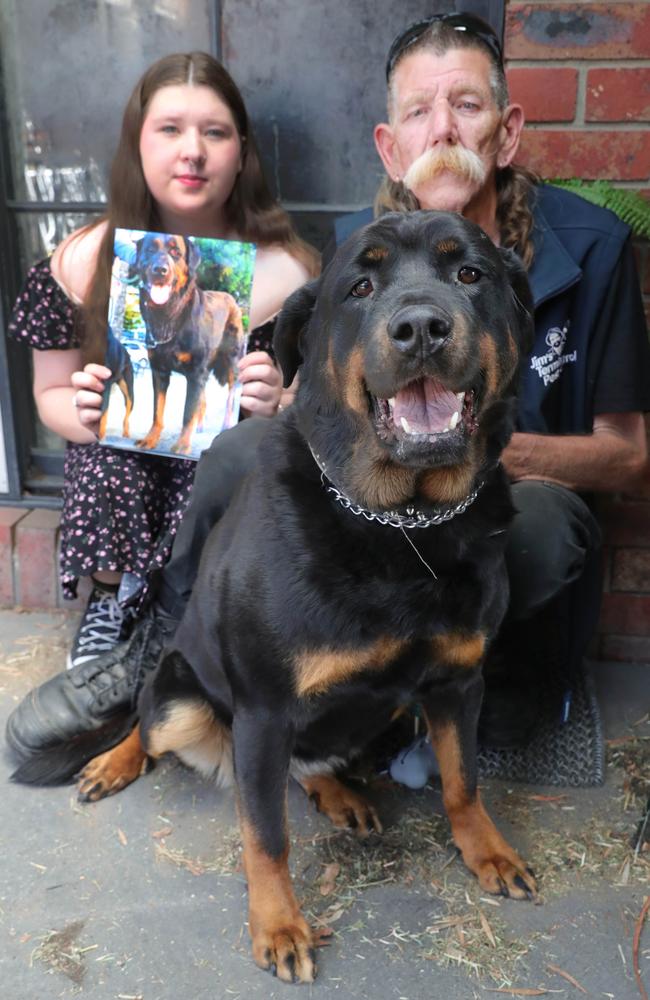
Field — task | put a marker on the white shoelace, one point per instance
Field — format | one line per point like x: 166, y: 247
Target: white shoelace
x: 103, y: 624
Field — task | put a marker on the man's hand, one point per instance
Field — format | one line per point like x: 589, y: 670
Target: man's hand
x: 262, y: 385
x: 610, y: 459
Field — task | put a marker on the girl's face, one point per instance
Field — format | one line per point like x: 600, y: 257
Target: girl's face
x: 191, y: 154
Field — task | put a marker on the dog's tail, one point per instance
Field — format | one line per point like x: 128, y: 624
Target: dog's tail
x: 58, y: 765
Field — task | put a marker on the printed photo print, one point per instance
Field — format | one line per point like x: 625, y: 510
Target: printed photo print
x: 177, y: 327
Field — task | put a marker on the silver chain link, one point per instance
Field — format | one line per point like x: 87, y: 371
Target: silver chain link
x: 412, y: 518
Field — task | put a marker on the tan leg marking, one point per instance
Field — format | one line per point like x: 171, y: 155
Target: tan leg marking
x: 153, y: 437
x: 112, y: 771
x: 497, y: 866
x: 281, y: 937
x: 183, y: 445
x: 345, y: 808
x: 128, y: 407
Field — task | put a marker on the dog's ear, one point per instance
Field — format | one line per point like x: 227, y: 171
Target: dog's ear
x: 193, y: 255
x: 135, y: 263
x: 522, y: 297
x: 290, y: 323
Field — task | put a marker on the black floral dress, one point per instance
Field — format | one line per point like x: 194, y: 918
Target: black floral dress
x: 121, y: 510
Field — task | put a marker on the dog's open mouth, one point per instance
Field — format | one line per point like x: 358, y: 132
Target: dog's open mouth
x: 423, y: 411
x: 159, y: 294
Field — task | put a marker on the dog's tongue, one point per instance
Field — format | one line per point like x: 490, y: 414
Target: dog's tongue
x: 159, y: 294
x: 426, y: 407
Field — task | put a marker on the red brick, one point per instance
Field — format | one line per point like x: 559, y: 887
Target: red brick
x: 625, y: 614
x: 625, y: 648
x: 618, y: 95
x: 590, y: 155
x: 631, y: 570
x: 625, y: 522
x: 36, y: 551
x: 9, y: 518
x: 578, y: 31
x: 547, y: 95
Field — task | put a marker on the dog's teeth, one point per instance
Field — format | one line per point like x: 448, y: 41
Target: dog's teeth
x: 454, y: 420
x: 460, y: 396
x: 391, y: 402
x: 405, y: 425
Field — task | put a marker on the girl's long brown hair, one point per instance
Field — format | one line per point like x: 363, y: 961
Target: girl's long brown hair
x: 251, y: 210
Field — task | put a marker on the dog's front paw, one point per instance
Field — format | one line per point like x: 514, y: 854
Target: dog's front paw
x: 497, y: 866
x: 504, y: 874
x: 287, y: 951
x: 183, y: 446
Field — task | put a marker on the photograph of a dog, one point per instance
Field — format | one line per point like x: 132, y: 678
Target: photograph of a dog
x: 177, y: 320
x: 382, y: 581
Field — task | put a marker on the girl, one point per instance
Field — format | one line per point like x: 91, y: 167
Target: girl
x: 186, y: 163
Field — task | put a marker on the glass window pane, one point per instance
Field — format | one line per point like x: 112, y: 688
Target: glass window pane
x: 68, y: 70
x: 38, y: 234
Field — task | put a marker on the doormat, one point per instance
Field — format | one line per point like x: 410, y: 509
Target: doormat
x: 570, y: 753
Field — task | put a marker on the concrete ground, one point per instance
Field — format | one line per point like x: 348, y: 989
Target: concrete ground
x: 141, y: 897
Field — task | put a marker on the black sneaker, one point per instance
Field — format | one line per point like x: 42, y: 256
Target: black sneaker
x: 87, y: 698
x: 104, y: 624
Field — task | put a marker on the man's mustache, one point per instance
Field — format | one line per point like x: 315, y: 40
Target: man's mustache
x: 456, y: 159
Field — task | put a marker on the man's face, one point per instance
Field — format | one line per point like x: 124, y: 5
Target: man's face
x: 444, y: 112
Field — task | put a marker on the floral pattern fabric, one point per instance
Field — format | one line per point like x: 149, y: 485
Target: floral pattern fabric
x: 121, y: 509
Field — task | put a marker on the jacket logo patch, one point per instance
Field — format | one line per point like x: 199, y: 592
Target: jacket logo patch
x: 549, y: 366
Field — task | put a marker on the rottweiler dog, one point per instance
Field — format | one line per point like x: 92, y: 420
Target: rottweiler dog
x: 188, y: 330
x: 361, y: 568
x: 118, y: 360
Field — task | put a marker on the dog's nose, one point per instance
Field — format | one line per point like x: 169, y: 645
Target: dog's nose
x: 160, y: 270
x: 419, y: 329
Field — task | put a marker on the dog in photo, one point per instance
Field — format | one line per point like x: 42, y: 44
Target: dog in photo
x: 188, y: 330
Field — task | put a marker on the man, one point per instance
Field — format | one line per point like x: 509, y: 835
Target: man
x: 449, y: 144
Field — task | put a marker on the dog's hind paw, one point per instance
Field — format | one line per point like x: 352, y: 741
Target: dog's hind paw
x: 346, y: 809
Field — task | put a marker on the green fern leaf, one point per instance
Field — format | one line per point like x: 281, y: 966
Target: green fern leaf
x: 628, y: 205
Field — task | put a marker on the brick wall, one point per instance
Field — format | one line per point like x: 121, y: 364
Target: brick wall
x: 29, y: 578
x: 582, y: 73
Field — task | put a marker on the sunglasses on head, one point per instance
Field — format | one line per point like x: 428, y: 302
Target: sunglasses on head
x: 471, y: 24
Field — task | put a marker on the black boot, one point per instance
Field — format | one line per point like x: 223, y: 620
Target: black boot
x: 510, y: 706
x: 92, y: 698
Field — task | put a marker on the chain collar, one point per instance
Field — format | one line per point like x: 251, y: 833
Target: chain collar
x: 412, y: 519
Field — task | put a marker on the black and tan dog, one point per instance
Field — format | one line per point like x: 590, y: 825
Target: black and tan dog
x: 361, y: 568
x: 188, y: 330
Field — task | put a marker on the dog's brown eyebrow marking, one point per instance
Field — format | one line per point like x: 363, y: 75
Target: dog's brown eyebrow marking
x: 374, y: 254
x: 447, y: 246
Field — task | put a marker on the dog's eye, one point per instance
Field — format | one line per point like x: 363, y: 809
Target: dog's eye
x: 362, y: 288
x: 469, y: 275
